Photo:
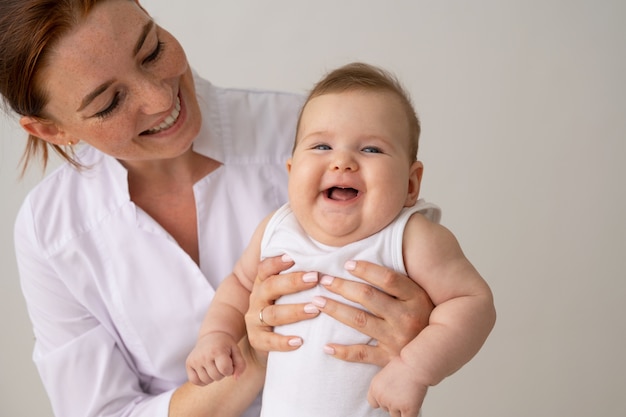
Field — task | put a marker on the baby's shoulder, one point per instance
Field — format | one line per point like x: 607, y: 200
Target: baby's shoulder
x: 427, y: 238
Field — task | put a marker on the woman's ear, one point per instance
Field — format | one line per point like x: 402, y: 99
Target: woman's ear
x: 44, y: 129
x: 415, y: 179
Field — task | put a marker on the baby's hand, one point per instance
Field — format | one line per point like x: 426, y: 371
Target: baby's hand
x: 215, y: 356
x: 396, y: 390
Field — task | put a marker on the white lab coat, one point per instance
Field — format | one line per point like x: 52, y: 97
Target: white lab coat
x: 115, y: 303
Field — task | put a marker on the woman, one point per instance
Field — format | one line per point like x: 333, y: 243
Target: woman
x: 121, y: 249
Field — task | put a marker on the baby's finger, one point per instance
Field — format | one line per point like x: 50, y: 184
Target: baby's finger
x: 239, y: 363
x: 224, y: 365
x: 203, y: 376
x: 193, y: 377
x: 371, y: 400
x: 213, y: 373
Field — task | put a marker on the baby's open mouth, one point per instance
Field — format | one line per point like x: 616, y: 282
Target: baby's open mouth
x: 341, y: 194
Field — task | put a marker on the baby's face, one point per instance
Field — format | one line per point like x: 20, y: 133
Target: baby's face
x: 350, y: 174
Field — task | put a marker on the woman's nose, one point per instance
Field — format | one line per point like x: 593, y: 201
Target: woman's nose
x: 156, y: 95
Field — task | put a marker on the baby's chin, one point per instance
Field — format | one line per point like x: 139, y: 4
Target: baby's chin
x: 339, y: 231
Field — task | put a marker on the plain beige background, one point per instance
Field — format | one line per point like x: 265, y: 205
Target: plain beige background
x: 523, y: 106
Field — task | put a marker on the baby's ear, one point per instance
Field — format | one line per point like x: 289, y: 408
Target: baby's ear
x: 44, y: 129
x: 415, y: 179
x: 289, y: 165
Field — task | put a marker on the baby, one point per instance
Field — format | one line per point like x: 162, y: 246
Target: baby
x: 354, y: 182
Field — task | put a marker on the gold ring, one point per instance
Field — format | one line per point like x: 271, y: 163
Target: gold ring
x: 261, y: 317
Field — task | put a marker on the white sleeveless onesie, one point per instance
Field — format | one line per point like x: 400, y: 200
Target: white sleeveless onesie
x: 307, y: 382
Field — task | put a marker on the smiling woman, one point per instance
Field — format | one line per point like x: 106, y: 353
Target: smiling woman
x: 153, y: 208
x: 95, y: 87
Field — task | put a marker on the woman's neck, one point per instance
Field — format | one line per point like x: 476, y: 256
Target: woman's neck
x: 164, y: 190
x: 168, y: 174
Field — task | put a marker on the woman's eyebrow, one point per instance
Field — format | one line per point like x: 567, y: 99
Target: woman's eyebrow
x: 102, y: 88
x: 142, y: 38
x: 95, y: 93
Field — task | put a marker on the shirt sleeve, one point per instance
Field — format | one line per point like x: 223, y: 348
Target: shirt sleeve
x: 82, y: 366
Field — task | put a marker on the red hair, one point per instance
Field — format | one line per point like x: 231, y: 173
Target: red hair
x: 28, y: 29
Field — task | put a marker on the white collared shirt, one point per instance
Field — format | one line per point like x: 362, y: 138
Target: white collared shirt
x: 115, y: 303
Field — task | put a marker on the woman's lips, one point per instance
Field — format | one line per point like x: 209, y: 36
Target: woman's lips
x: 169, y: 120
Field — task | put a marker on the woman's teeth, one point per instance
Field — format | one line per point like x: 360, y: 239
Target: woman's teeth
x: 169, y: 120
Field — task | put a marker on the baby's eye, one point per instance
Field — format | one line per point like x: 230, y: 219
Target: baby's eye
x: 372, y: 149
x: 322, y: 147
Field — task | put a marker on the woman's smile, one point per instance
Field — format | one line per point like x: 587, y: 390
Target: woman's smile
x: 168, y: 122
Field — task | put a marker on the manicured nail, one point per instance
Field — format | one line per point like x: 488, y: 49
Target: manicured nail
x: 311, y: 309
x: 310, y: 277
x: 296, y: 341
x: 286, y: 258
x: 329, y: 350
x: 350, y: 265
x: 327, y: 280
x: 319, y: 301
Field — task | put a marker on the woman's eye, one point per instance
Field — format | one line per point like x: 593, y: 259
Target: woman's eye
x: 155, y: 53
x: 110, y: 108
x: 372, y: 149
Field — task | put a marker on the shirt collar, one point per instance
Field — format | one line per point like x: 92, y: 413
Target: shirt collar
x: 209, y: 141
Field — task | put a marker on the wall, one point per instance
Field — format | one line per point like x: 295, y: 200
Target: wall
x: 523, y: 108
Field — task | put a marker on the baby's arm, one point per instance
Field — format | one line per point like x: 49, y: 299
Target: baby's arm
x: 216, y: 353
x: 463, y: 317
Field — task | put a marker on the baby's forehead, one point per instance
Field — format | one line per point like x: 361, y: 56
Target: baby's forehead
x: 356, y: 108
x: 345, y: 100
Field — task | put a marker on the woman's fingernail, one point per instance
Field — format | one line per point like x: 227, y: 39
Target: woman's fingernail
x: 310, y: 277
x: 329, y: 350
x: 311, y: 309
x: 350, y: 265
x: 319, y: 301
x: 286, y: 258
x: 296, y: 341
x: 327, y: 280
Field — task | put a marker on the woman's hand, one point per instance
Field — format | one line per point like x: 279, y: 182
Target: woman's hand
x: 398, y: 311
x: 268, y: 287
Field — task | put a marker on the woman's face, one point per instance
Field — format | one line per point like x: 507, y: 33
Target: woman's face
x: 122, y: 84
